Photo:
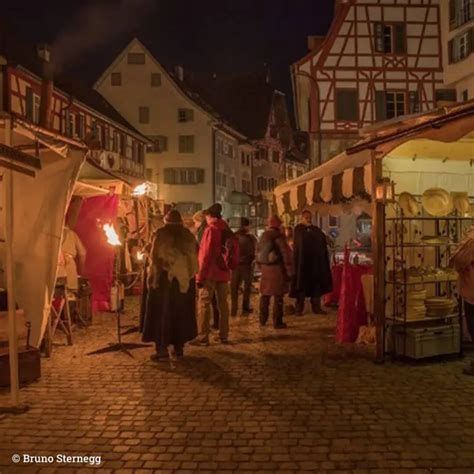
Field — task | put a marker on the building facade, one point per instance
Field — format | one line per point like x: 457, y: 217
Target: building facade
x: 379, y: 60
x: 72, y: 110
x: 457, y: 27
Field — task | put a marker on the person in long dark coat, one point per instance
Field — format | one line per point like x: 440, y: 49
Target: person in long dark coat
x: 274, y: 260
x: 170, y: 318
x: 312, y: 278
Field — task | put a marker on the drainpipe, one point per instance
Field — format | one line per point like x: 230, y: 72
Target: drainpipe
x: 315, y: 84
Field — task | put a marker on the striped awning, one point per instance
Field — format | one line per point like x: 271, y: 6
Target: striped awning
x: 332, y: 188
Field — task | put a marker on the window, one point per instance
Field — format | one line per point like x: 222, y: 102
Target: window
x: 465, y: 95
x: 185, y: 115
x: 276, y: 156
x: 123, y: 144
x: 115, y: 141
x: 149, y: 174
x: 461, y: 46
x: 160, y: 144
x: 246, y: 186
x: 32, y: 110
x: 68, y: 123
x: 144, y: 114
x: 233, y: 183
x: 183, y: 175
x: 155, y: 79
x: 248, y: 159
x: 446, y: 95
x: 263, y: 154
x: 290, y: 172
x: 141, y: 153
x: 347, y: 105
x: 136, y: 58
x: 460, y: 12
x: 221, y: 179
x: 186, y: 143
x: 230, y: 151
x: 219, y: 146
x: 116, y: 79
x: 262, y: 184
x: 242, y: 157
x: 395, y: 104
x: 36, y: 108
x: 80, y: 125
x: 390, y: 38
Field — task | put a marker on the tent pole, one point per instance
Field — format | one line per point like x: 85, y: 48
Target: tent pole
x: 378, y: 224
x: 12, y: 329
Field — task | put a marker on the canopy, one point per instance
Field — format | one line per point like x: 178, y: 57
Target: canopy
x: 444, y: 137
x: 39, y: 207
x: 85, y: 190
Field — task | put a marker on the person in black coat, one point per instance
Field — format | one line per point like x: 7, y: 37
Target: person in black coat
x: 170, y: 316
x: 312, y: 278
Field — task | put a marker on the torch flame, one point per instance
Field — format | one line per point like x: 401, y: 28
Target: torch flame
x: 140, y: 256
x: 140, y: 190
x: 112, y: 237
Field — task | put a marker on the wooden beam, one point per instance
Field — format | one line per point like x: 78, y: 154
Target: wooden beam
x: 17, y: 155
x: 18, y: 169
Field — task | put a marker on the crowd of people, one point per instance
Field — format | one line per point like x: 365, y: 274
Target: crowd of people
x: 190, y: 274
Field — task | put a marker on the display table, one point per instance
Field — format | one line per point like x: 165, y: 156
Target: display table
x: 352, y: 313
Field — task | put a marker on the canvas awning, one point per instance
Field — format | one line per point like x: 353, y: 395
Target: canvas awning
x: 346, y: 180
x: 85, y: 190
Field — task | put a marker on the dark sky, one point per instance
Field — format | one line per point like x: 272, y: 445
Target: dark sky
x: 202, y: 35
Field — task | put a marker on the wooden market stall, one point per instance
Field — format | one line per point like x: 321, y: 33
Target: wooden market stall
x: 416, y: 155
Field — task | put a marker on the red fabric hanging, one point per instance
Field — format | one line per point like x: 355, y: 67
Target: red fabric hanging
x: 352, y: 313
x: 96, y: 211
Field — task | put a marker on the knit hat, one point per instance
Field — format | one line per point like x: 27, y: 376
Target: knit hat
x: 274, y: 221
x: 173, y: 217
x: 214, y: 211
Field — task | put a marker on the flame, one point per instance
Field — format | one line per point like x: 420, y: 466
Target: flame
x: 140, y: 190
x: 112, y: 237
x: 140, y: 256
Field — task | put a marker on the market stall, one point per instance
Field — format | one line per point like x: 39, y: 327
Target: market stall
x: 415, y: 155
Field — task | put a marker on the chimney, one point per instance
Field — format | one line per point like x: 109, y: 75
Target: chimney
x: 44, y: 53
x: 179, y: 73
x: 314, y: 42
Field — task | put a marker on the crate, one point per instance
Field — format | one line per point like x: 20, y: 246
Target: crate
x: 427, y: 341
x: 29, y: 365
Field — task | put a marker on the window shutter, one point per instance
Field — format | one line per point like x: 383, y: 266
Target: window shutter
x: 347, y: 105
x: 200, y: 175
x: 400, y: 43
x: 169, y: 176
x: 380, y: 106
x: 378, y: 27
x: 414, y: 102
x: 470, y: 40
x: 451, y: 51
x: 29, y: 103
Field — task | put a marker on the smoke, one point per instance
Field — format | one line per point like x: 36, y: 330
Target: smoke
x: 96, y: 25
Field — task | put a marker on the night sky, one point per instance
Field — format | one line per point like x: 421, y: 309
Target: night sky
x: 207, y: 35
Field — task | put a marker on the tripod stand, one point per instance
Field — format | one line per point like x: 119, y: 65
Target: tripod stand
x: 124, y: 347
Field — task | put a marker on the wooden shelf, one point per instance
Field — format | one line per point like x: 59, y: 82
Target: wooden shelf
x: 400, y: 319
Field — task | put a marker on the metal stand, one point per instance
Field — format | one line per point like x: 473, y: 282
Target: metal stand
x: 124, y: 347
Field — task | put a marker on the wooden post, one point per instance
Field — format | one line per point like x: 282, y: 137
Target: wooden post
x: 378, y: 236
x: 10, y: 268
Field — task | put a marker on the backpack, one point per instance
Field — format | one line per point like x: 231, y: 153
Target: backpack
x: 269, y: 253
x: 247, y: 244
x: 229, y: 256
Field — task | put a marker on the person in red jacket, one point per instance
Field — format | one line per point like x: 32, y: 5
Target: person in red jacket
x: 213, y: 277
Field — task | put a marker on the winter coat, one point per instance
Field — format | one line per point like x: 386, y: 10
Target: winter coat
x: 312, y: 275
x: 170, y: 314
x: 247, y: 247
x: 276, y: 277
x: 209, y: 251
x: 463, y: 263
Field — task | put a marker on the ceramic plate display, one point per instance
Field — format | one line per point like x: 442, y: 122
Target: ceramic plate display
x: 461, y: 203
x: 409, y: 205
x: 437, y: 202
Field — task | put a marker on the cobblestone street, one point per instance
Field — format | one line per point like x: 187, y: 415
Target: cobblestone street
x: 272, y: 401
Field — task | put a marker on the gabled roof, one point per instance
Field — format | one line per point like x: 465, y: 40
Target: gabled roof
x: 18, y: 52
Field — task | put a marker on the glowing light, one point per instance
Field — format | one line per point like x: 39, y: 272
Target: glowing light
x: 140, y: 256
x: 140, y: 190
x: 112, y: 237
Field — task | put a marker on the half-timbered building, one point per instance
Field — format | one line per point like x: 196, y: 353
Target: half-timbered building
x: 32, y: 91
x: 380, y: 60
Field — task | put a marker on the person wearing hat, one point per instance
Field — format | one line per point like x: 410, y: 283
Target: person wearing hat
x: 170, y: 315
x: 463, y: 263
x: 275, y: 262
x: 312, y: 278
x: 244, y: 272
x: 213, y: 276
